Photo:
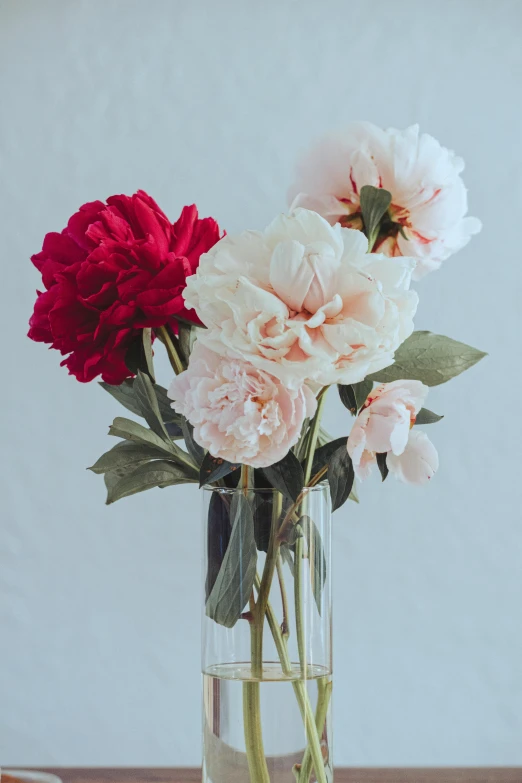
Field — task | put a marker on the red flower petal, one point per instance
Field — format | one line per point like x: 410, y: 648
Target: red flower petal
x: 116, y: 269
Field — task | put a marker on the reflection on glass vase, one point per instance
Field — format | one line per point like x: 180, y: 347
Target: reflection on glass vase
x: 266, y: 657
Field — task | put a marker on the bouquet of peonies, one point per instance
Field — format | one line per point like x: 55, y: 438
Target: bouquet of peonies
x: 258, y: 326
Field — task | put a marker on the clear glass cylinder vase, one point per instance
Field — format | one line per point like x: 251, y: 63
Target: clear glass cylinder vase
x: 266, y: 642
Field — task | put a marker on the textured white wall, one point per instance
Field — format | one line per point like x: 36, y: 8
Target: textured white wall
x: 209, y: 102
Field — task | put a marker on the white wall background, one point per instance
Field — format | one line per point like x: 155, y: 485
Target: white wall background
x: 210, y: 102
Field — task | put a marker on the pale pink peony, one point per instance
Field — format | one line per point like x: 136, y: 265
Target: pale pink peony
x: 383, y: 426
x: 304, y: 301
x: 239, y: 412
x: 429, y: 199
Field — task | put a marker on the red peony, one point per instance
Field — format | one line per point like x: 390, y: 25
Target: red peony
x: 116, y: 269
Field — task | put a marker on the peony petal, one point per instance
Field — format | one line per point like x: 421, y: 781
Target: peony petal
x: 290, y: 275
x: 419, y: 461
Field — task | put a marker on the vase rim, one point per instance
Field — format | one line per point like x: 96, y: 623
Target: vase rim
x: 320, y: 486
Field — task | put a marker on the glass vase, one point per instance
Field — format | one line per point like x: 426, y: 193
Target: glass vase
x: 266, y: 642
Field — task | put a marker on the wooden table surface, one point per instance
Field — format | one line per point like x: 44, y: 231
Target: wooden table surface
x: 410, y: 775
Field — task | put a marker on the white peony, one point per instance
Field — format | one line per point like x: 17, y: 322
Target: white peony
x: 429, y: 199
x: 239, y: 412
x: 303, y: 301
x: 384, y: 426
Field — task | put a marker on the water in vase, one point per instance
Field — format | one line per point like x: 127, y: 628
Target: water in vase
x: 227, y: 692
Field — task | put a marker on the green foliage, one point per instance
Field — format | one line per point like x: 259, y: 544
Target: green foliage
x: 430, y: 358
x: 147, y: 457
x: 214, y: 468
x: 139, y: 356
x: 374, y: 205
x: 159, y: 473
x: 287, y: 476
x: 382, y: 465
x: 426, y: 416
x: 340, y: 477
x: 316, y: 558
x: 125, y: 394
x: 354, y: 396
x: 235, y: 579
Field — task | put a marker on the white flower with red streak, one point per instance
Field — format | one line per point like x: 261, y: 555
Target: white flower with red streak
x: 427, y: 216
x: 303, y: 301
x: 384, y: 426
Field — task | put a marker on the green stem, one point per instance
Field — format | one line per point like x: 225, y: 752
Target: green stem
x: 170, y: 345
x: 312, y: 733
x: 314, y: 434
x: 271, y: 559
x: 324, y: 692
x: 252, y: 725
x: 298, y: 599
x: 285, y: 625
x: 253, y: 737
x: 305, y: 707
x: 251, y: 705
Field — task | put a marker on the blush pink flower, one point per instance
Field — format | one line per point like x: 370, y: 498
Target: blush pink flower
x: 427, y: 216
x: 383, y: 426
x: 239, y: 412
x: 303, y: 301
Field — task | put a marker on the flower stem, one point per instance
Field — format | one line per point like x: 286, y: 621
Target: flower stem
x: 271, y: 559
x: 298, y: 599
x: 299, y: 686
x: 313, y: 736
x: 324, y: 692
x: 170, y: 344
x: 285, y: 625
x: 255, y: 752
x: 252, y: 725
x: 314, y: 434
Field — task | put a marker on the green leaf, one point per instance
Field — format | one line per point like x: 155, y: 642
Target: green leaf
x: 124, y: 394
x: 159, y: 473
x: 322, y: 455
x: 218, y: 537
x: 112, y: 477
x: 139, y: 354
x: 193, y: 448
x: 263, y: 509
x: 340, y: 477
x: 126, y: 455
x: 424, y: 416
x: 362, y: 390
x: 430, y: 358
x: 168, y: 414
x: 235, y: 579
x: 147, y: 351
x: 354, y: 395
x: 382, y: 465
x: 347, y: 396
x: 374, y: 204
x: 146, y: 398
x: 287, y: 476
x: 133, y: 431
x: 187, y: 334
x: 214, y: 468
x: 316, y: 558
